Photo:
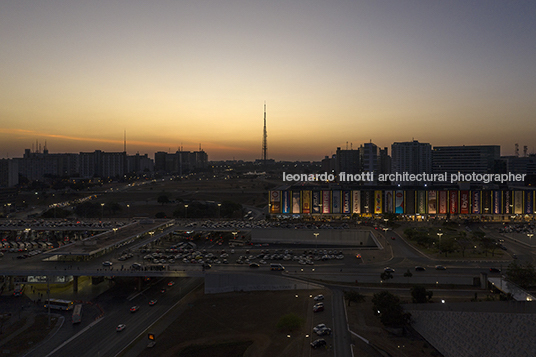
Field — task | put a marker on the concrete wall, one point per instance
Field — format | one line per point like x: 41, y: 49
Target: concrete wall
x: 216, y: 283
x: 363, y: 238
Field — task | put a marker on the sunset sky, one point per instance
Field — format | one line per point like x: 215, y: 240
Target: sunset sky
x: 171, y: 73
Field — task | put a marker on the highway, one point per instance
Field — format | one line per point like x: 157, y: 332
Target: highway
x: 102, y: 339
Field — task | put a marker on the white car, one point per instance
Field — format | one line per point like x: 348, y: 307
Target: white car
x: 120, y: 327
x: 322, y: 330
x: 319, y: 298
x: 319, y: 327
x: 107, y: 263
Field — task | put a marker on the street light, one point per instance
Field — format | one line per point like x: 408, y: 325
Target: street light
x: 316, y: 239
x: 102, y: 211
x: 439, y: 234
x: 219, y: 205
x: 530, y: 237
x: 185, y: 211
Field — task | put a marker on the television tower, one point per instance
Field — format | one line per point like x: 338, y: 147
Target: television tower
x: 264, y: 138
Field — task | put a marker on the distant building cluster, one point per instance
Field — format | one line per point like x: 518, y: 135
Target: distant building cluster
x: 180, y: 162
x: 38, y: 165
x: 414, y: 157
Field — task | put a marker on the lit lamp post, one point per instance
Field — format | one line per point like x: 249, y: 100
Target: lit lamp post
x: 185, y: 211
x: 102, y: 211
x: 316, y: 239
x: 128, y: 211
x: 439, y: 234
x: 234, y: 234
x: 530, y: 239
x: 219, y: 206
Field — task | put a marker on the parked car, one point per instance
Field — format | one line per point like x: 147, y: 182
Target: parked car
x: 318, y: 307
x: 318, y: 343
x: 321, y: 330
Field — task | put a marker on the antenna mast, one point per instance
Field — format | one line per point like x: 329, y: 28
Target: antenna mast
x: 264, y: 138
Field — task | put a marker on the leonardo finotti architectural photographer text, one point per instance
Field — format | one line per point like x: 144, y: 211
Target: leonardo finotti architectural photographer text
x: 405, y: 177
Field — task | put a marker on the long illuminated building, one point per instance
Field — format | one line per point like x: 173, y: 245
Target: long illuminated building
x: 433, y: 202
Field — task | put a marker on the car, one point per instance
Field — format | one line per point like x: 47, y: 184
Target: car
x: 254, y: 265
x: 321, y: 329
x: 319, y: 297
x: 163, y: 291
x: 324, y: 332
x: 153, y: 302
x: 358, y: 256
x: 120, y: 327
x: 318, y: 343
x: 393, y: 237
x: 440, y: 267
x: 171, y: 283
x: 107, y: 263
x: 318, y: 308
x: 419, y: 268
x: 389, y: 270
x: 494, y: 270
x: 136, y: 266
x: 134, y: 308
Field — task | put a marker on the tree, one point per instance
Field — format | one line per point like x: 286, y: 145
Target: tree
x: 409, y: 233
x: 408, y: 275
x: 522, y: 275
x: 447, y: 245
x: 386, y: 275
x: 353, y: 296
x: 465, y: 244
x: 160, y: 215
x: 420, y: 295
x: 290, y: 322
x: 488, y: 244
x: 389, y: 308
x: 163, y: 199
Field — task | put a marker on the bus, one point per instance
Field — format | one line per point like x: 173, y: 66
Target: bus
x: 59, y: 304
x: 19, y: 289
x: 77, y: 314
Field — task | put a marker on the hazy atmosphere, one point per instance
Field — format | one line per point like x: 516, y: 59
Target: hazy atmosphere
x: 172, y: 73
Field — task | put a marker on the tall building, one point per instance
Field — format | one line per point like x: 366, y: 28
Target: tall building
x: 180, y: 162
x: 369, y: 157
x: 139, y: 164
x: 102, y: 164
x: 480, y: 159
x: 411, y: 157
x: 520, y: 165
x: 348, y: 161
x: 9, y: 173
x: 384, y: 161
